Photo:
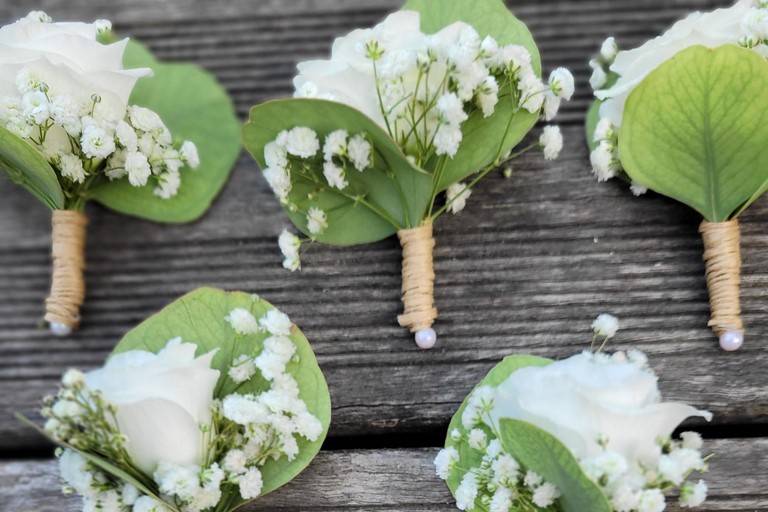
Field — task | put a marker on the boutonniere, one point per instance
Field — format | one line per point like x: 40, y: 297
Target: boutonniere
x: 207, y: 405
x: 588, y: 433
x: 683, y: 115
x: 85, y: 117
x: 399, y: 126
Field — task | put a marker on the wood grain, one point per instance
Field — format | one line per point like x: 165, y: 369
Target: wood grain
x: 395, y: 480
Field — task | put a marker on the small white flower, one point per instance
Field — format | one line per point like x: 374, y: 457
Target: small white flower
x: 651, y: 500
x: 531, y: 92
x: 545, y: 495
x: 494, y: 448
x: 96, y: 143
x: 276, y: 322
x: 235, y: 461
x: 35, y: 106
x: 456, y: 434
x: 501, y: 501
x: 71, y: 167
x: 606, y: 325
x: 448, y: 139
x: 168, y: 185
x: 445, y: 461
x: 335, y: 144
x: 692, y: 440
x: 488, y: 96
x: 607, y: 464
x: 67, y: 409
x: 466, y: 492
x: 477, y: 439
x: 599, y: 77
x: 242, y: 321
x: 317, y: 221
x: 693, y: 495
x: 359, y: 151
x: 506, y: 470
x: 147, y: 504
x: 275, y: 155
x: 451, y: 109
x: 457, y: 195
x: 242, y: 409
x: 625, y: 498
x: 73, y: 378
x: 289, y: 246
x: 27, y: 81
x: 609, y: 49
x: 308, y: 426
x: 250, y: 484
x: 604, y: 163
x: 552, y: 104
x: 102, y: 26
x: 66, y: 113
x: 637, y: 189
x: 137, y: 167
x: 561, y: 83
x: 38, y: 16
x: 334, y: 175
x: 145, y: 119
x: 73, y: 469
x: 302, y: 142
x: 551, y: 141
x: 532, y: 479
x: 279, y: 180
x: 129, y: 494
x: 189, y: 154
x: 126, y: 136
x: 604, y: 130
x: 242, y: 369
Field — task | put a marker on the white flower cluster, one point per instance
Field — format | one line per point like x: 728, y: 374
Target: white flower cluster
x: 499, y: 483
x: 421, y: 88
x: 292, y: 153
x: 83, y: 137
x: 615, y: 74
x: 636, y: 486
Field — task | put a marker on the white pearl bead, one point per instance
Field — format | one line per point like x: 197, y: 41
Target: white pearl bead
x: 731, y: 341
x: 59, y: 329
x: 426, y: 338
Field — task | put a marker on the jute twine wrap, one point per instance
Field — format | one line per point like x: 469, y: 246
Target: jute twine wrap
x: 722, y: 255
x: 418, y: 278
x: 67, y: 283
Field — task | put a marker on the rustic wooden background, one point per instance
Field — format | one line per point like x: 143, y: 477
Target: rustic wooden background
x: 531, y: 261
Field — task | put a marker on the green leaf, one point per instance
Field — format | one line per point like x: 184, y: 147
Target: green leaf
x: 195, y: 107
x: 393, y: 186
x: 199, y: 317
x: 26, y: 166
x: 696, y: 128
x: 484, y: 138
x: 543, y: 453
x: 467, y: 456
x: 593, y: 117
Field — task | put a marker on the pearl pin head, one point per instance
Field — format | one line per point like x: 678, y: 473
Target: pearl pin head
x: 730, y: 341
x: 59, y: 329
x: 426, y: 338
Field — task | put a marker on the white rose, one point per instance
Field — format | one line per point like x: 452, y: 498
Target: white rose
x: 587, y: 396
x: 712, y: 29
x: 69, y: 59
x: 161, y: 399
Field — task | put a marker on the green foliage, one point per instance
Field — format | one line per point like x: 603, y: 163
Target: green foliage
x: 393, y: 187
x: 546, y: 455
x: 26, y: 166
x: 485, y: 139
x: 195, y: 107
x: 199, y: 317
x: 696, y: 128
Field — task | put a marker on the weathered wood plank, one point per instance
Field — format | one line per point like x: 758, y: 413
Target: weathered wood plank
x: 523, y: 269
x: 402, y: 480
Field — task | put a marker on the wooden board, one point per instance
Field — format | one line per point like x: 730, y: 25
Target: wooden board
x: 395, y: 480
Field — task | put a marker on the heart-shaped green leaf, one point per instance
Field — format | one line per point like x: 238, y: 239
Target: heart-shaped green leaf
x: 199, y: 317
x: 195, y: 107
x: 541, y: 452
x: 392, y: 188
x: 485, y: 139
x: 26, y: 166
x: 696, y: 129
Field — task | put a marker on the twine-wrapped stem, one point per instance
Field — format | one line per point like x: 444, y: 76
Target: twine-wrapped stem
x: 722, y: 256
x: 418, y: 283
x: 67, y: 282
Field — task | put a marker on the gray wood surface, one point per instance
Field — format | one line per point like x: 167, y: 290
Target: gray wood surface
x: 396, y: 480
x: 524, y: 269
